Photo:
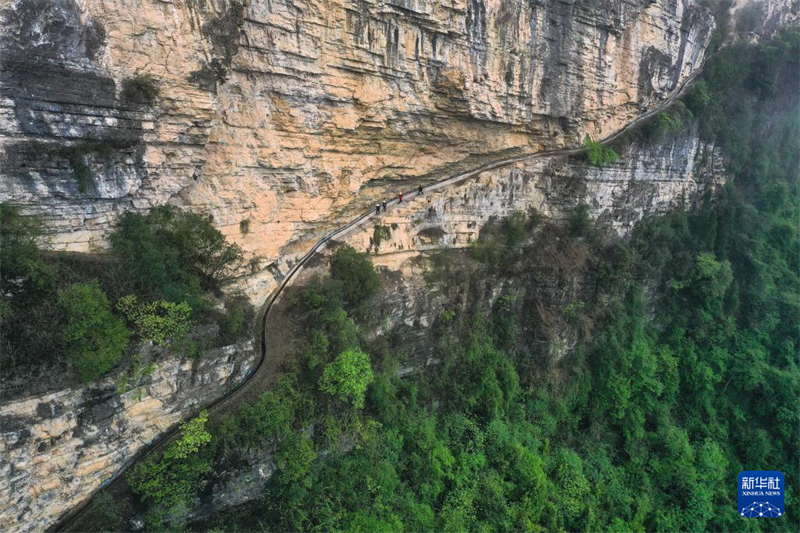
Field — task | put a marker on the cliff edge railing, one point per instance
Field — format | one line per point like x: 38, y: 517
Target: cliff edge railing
x: 236, y: 392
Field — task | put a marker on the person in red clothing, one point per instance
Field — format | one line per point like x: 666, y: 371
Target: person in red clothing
x: 400, y: 196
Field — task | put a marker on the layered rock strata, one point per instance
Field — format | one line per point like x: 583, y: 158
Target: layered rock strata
x: 649, y: 180
x: 295, y: 115
x: 57, y: 448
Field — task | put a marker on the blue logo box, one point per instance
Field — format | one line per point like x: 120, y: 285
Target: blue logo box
x: 761, y: 494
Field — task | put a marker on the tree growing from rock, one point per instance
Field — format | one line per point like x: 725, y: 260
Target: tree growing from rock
x: 95, y: 338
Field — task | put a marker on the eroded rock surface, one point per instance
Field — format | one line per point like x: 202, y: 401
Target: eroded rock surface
x: 58, y: 448
x: 296, y: 115
x: 648, y: 180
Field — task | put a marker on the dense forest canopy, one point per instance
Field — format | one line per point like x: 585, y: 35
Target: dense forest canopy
x: 690, y: 377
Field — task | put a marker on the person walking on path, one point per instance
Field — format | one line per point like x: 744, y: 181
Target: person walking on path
x: 384, y: 206
x: 377, y: 209
x: 400, y: 197
x: 419, y: 192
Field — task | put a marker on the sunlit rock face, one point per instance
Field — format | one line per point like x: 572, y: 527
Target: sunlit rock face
x: 295, y: 115
x: 674, y: 173
x: 57, y: 448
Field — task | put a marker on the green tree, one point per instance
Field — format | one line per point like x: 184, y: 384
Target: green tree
x: 355, y: 272
x: 698, y: 98
x: 95, y: 338
x: 20, y: 257
x: 172, y: 253
x: 579, y: 221
x: 712, y: 277
x: 515, y: 229
x: 28, y: 306
x: 106, y: 512
x: 168, y: 482
x: 599, y: 155
x: 294, y: 458
x: 239, y: 316
x: 347, y: 377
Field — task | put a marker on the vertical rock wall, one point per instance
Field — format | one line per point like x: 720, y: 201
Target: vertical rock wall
x: 58, y: 448
x: 294, y: 115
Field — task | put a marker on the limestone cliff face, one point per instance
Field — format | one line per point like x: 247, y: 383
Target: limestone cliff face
x: 648, y: 180
x: 58, y: 448
x: 294, y: 115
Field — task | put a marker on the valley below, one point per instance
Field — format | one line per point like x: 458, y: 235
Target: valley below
x: 396, y: 266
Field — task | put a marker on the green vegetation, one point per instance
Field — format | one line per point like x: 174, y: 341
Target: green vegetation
x: 326, y: 391
x: 599, y: 155
x: 133, y: 379
x: 498, y: 239
x: 163, y: 268
x: 28, y: 298
x: 579, y: 221
x: 677, y: 117
x: 169, y: 481
x: 698, y: 98
x: 244, y: 226
x: 157, y: 321
x: 174, y: 255
x: 94, y: 337
x: 80, y: 169
x: 237, y: 320
x: 379, y: 233
x: 355, y: 274
x: 24, y: 269
x: 106, y: 513
x: 347, y: 377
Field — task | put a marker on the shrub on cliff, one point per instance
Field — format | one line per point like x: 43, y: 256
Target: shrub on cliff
x: 173, y: 254
x: 355, y: 273
x: 294, y: 459
x: 141, y: 88
x: 29, y: 310
x: 239, y: 316
x: 106, y: 513
x: 599, y: 155
x: 579, y: 221
x: 674, y: 120
x: 698, y: 98
x: 169, y: 481
x: 497, y: 240
x: 95, y: 338
x: 157, y: 321
x: 23, y: 268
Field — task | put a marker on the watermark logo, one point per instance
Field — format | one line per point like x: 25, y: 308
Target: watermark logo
x: 761, y: 494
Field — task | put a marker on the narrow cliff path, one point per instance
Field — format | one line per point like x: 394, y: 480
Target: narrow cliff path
x: 262, y: 376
